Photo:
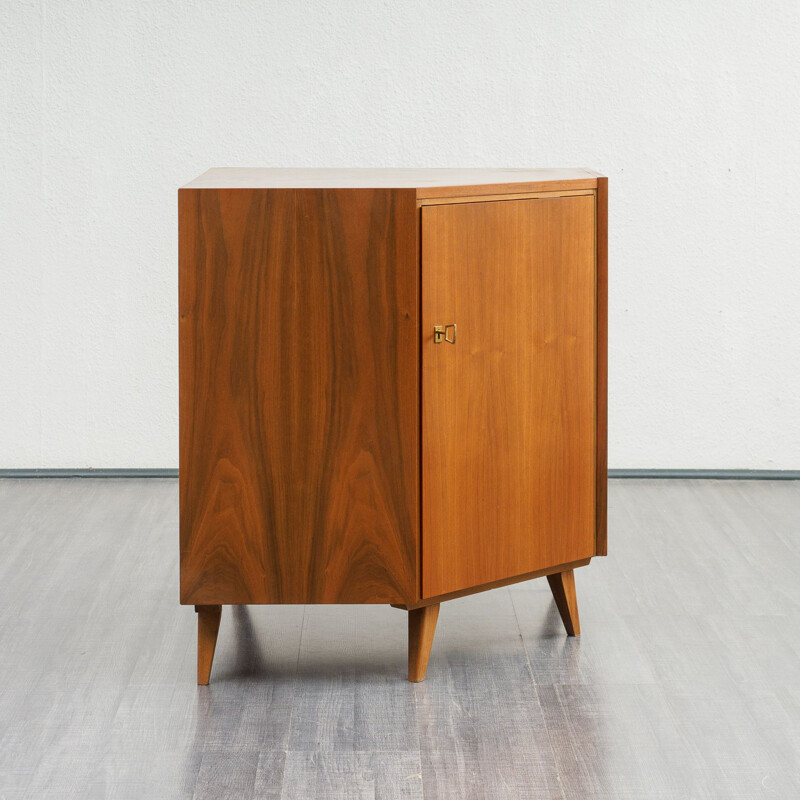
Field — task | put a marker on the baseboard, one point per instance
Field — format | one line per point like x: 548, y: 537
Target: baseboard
x: 715, y: 474
x: 89, y: 473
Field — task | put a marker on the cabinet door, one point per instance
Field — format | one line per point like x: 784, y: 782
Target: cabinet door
x: 508, y: 411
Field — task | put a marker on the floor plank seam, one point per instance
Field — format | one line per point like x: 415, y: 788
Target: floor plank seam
x: 538, y: 699
x: 295, y: 686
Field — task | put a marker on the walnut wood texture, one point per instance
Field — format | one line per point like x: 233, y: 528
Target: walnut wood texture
x: 562, y: 585
x: 421, y: 630
x: 299, y: 396
x: 508, y: 412
x: 208, y: 618
x: 601, y: 490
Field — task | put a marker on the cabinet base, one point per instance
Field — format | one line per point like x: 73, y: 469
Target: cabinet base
x: 421, y: 625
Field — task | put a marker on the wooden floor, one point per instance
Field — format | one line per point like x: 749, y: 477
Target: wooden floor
x: 684, y: 684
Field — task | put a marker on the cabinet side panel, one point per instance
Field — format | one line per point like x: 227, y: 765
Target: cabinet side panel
x: 233, y: 247
x: 601, y: 491
x: 350, y: 406
x: 299, y: 324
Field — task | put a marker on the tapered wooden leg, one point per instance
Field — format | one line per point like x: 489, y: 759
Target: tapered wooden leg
x: 421, y: 628
x: 207, y: 629
x: 562, y: 585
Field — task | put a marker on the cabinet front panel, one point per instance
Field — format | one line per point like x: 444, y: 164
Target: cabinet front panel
x: 299, y: 398
x: 508, y: 411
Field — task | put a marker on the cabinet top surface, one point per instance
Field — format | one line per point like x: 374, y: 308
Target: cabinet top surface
x: 421, y: 179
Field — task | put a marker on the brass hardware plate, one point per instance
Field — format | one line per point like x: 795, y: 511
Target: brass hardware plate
x: 440, y: 333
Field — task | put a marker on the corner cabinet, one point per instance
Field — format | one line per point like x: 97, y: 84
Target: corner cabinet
x: 392, y: 388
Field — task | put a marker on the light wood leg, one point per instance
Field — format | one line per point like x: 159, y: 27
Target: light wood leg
x: 421, y: 628
x: 208, y: 618
x: 562, y: 585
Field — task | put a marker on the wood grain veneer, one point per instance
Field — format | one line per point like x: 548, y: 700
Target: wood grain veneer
x: 508, y: 413
x: 299, y: 396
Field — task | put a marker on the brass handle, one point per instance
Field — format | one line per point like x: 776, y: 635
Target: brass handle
x: 440, y: 333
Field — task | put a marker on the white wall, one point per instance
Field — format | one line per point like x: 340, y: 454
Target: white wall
x: 691, y: 108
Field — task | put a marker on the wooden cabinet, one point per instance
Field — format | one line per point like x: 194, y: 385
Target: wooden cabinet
x: 392, y: 388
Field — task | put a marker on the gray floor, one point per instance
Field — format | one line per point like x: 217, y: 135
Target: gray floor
x: 685, y: 683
